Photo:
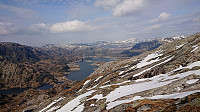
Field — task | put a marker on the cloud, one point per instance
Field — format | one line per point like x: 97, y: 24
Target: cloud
x: 22, y: 12
x: 121, y: 7
x: 155, y: 27
x: 163, y: 16
x: 70, y: 26
x: 7, y: 28
x: 128, y: 7
x: 106, y: 4
x: 38, y: 28
x: 196, y: 19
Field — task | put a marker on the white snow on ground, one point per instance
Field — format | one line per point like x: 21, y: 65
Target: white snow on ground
x: 52, y: 103
x: 98, y: 78
x: 75, y: 102
x: 93, y: 87
x: 173, y: 96
x: 194, y: 49
x: 126, y: 66
x: 154, y: 82
x: 80, y: 90
x: 140, y: 80
x: 113, y: 104
x: 98, y: 96
x: 192, y: 81
x: 146, y: 60
x: 152, y: 67
x: 197, y: 63
x: 115, y: 84
x: 79, y: 108
x: 121, y: 72
x: 180, y: 46
x: 52, y: 109
x: 169, y: 96
x: 86, y: 82
x: 92, y: 104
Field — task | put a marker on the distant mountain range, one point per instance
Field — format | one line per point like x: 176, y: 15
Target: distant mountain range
x: 113, y: 45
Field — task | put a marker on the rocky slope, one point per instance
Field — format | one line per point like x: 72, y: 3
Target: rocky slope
x: 165, y: 79
x: 24, y: 66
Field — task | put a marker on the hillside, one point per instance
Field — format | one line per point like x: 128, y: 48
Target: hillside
x: 165, y: 79
x: 141, y: 47
x: 24, y: 66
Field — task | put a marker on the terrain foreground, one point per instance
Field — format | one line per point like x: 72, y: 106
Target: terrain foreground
x: 165, y: 79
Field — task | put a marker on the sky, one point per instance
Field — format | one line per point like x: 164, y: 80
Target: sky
x: 39, y: 22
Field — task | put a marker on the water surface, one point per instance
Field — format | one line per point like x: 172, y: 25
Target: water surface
x: 45, y: 86
x: 85, y: 70
x: 13, y: 90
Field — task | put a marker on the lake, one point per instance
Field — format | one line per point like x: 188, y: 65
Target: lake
x: 18, y: 90
x: 13, y: 90
x: 85, y: 69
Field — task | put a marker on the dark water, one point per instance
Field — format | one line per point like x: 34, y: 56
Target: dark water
x: 85, y: 70
x: 45, y: 86
x: 66, y: 88
x: 13, y: 90
x: 18, y: 90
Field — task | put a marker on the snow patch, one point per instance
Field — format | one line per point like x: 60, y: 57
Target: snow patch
x: 146, y: 61
x: 121, y: 72
x: 92, y: 105
x: 140, y: 80
x: 173, y: 96
x: 52, y: 103
x: 152, y: 67
x: 86, y: 82
x: 98, y: 78
x: 79, y: 108
x: 75, y: 102
x: 169, y: 96
x: 113, y: 104
x: 191, y: 81
x: 154, y: 82
x: 197, y: 63
x: 115, y: 84
x: 195, y: 49
x: 52, y: 109
x: 180, y: 46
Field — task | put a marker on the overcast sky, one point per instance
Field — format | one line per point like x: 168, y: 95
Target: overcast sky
x: 39, y: 22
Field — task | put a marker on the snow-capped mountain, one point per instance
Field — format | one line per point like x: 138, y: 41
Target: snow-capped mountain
x: 131, y: 40
x: 165, y: 79
x: 119, y: 45
x: 170, y: 39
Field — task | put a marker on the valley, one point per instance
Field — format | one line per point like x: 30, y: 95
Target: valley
x: 58, y: 70
x: 99, y: 56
